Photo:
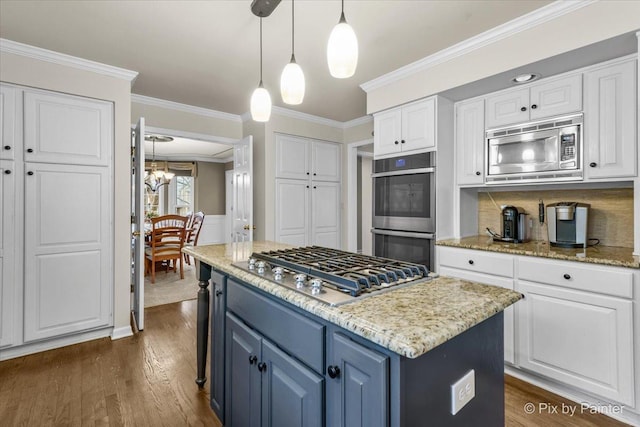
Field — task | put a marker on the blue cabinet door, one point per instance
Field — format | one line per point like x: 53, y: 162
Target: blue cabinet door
x: 358, y: 396
x: 243, y: 377
x: 219, y: 289
x: 291, y: 392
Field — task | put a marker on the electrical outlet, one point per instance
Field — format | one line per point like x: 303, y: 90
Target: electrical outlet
x: 463, y: 391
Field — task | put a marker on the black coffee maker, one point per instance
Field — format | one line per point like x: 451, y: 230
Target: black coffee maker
x: 515, y: 225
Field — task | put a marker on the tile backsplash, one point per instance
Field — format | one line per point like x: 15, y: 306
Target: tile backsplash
x: 610, y: 215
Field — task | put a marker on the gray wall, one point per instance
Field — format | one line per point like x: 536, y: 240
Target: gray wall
x: 210, y: 188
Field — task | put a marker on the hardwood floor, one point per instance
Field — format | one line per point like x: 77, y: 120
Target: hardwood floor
x: 148, y: 380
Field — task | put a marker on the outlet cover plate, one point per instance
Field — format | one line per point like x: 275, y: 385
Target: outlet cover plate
x: 463, y: 391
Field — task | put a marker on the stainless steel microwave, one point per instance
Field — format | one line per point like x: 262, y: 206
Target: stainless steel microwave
x: 531, y: 152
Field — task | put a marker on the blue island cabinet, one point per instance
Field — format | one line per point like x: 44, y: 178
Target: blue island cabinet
x: 273, y: 364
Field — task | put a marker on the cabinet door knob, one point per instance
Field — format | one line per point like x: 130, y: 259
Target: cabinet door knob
x: 262, y: 366
x: 7, y: 172
x: 534, y: 106
x: 253, y: 359
x: 7, y: 147
x: 29, y: 150
x: 333, y: 371
x: 314, y: 174
x: 396, y: 142
x: 470, y: 262
x: 478, y: 173
x: 307, y: 173
x: 218, y: 292
x: 30, y: 173
x: 402, y: 141
x: 314, y: 187
x: 567, y: 276
x: 523, y: 109
x: 307, y: 186
x: 593, y: 164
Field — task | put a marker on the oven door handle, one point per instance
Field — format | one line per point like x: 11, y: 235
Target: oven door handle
x: 403, y: 172
x: 403, y: 234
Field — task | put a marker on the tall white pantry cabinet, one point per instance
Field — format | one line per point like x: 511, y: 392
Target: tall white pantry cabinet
x: 56, y: 260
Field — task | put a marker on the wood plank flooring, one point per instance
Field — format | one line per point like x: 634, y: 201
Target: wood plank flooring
x: 148, y: 380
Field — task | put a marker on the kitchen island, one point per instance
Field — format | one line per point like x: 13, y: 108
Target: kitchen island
x: 387, y: 359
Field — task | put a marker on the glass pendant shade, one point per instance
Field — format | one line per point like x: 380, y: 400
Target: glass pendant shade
x: 342, y: 50
x: 260, y: 104
x: 292, y: 83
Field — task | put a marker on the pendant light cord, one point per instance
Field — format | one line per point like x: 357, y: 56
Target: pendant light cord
x: 261, y: 51
x: 293, y: 28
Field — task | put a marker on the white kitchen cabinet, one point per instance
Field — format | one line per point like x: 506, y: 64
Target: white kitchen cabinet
x: 67, y: 129
x: 576, y: 325
x: 409, y: 128
x: 487, y: 268
x: 548, y: 98
x: 8, y: 126
x: 303, y: 158
x: 307, y: 205
x: 470, y: 142
x: 8, y: 285
x: 610, y: 121
x: 308, y: 212
x: 56, y: 257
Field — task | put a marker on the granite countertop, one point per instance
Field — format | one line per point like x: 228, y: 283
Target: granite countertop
x: 409, y: 321
x: 606, y: 255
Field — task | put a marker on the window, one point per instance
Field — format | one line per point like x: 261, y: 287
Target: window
x: 181, y: 193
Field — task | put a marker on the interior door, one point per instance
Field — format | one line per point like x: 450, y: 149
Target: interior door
x: 243, y: 190
x: 137, y: 188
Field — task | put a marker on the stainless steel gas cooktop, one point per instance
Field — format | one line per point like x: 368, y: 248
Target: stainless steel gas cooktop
x: 333, y: 276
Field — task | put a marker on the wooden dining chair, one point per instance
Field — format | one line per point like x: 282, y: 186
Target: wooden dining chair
x: 193, y: 233
x: 166, y: 242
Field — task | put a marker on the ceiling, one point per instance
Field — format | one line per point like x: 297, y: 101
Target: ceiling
x: 206, y: 53
x: 185, y: 149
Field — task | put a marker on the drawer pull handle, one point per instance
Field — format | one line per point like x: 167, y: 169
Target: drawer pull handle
x: 567, y: 276
x: 262, y: 366
x: 29, y: 150
x: 333, y: 371
x: 593, y: 164
x: 470, y: 262
x: 253, y: 359
x: 7, y: 147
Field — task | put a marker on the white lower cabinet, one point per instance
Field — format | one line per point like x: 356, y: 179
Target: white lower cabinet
x: 487, y: 268
x: 7, y: 253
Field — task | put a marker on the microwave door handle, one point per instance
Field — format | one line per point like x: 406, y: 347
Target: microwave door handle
x: 403, y: 172
x: 403, y: 234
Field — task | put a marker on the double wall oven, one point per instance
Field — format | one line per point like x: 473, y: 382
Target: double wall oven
x: 404, y: 207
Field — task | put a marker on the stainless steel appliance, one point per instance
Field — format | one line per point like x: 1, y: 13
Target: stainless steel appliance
x: 332, y: 276
x: 545, y: 150
x: 516, y: 226
x: 567, y: 224
x: 404, y: 208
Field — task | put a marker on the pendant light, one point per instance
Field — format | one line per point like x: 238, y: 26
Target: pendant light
x: 342, y: 49
x: 292, y: 78
x: 157, y: 178
x: 260, y: 100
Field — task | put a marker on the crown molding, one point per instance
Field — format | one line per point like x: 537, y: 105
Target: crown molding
x: 357, y: 122
x: 522, y: 23
x: 163, y: 103
x: 10, y: 46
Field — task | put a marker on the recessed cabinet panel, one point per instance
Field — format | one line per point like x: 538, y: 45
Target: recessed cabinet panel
x: 387, y: 132
x: 68, y: 247
x: 556, y: 97
x: 292, y: 206
x: 8, y: 285
x: 470, y: 142
x: 581, y: 339
x: 292, y: 157
x: 506, y: 108
x: 325, y: 215
x: 67, y: 129
x: 7, y: 122
x: 325, y: 161
x: 610, y: 128
x: 418, y: 125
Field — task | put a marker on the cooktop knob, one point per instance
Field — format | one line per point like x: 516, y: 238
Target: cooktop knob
x: 300, y: 280
x: 252, y: 263
x: 278, y: 273
x: 261, y: 265
x: 316, y: 286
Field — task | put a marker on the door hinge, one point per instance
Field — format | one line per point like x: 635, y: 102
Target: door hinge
x: 133, y: 151
x: 133, y: 219
x: 132, y: 289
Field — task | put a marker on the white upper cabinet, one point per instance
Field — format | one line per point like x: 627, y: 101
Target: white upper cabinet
x: 7, y: 122
x: 545, y: 99
x: 610, y: 121
x: 408, y: 128
x: 301, y: 158
x: 67, y: 129
x: 470, y: 142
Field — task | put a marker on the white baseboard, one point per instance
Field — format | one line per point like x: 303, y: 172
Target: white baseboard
x: 123, y: 332
x: 213, y: 230
x: 23, y: 350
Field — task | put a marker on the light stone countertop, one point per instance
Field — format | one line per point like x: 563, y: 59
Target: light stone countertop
x: 409, y: 321
x: 605, y: 255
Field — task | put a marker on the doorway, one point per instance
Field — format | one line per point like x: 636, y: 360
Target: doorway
x: 359, y: 200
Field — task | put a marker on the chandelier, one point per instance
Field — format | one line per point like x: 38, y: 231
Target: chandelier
x: 157, y: 177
